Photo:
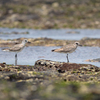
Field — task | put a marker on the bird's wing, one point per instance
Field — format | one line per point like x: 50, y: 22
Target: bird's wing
x: 16, y: 47
x: 68, y: 48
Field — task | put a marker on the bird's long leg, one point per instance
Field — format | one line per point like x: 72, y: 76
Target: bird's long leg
x: 15, y: 59
x: 67, y: 58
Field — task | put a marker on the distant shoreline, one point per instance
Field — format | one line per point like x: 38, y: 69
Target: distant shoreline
x: 50, y: 14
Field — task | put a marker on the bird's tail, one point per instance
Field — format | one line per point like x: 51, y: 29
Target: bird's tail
x: 53, y: 50
x: 57, y: 50
x: 5, y: 49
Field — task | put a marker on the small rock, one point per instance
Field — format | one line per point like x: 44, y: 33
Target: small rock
x: 93, y: 60
x: 55, y: 4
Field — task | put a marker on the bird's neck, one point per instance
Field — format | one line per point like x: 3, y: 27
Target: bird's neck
x: 76, y: 46
x: 23, y: 43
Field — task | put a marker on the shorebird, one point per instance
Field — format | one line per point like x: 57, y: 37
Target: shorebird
x: 17, y: 48
x: 67, y: 49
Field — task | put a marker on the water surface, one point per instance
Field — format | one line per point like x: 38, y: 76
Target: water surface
x: 29, y: 55
x: 63, y: 34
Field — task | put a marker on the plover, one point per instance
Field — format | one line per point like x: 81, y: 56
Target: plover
x: 17, y: 48
x: 67, y: 49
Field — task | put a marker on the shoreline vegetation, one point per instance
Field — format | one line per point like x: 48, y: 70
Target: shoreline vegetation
x: 50, y: 14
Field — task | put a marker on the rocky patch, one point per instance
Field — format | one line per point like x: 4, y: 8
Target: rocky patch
x: 49, y: 79
x: 49, y: 42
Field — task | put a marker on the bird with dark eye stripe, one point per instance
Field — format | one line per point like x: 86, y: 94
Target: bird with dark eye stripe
x: 17, y: 48
x: 68, y: 49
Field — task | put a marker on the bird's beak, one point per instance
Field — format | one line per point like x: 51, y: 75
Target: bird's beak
x: 28, y: 42
x: 80, y: 45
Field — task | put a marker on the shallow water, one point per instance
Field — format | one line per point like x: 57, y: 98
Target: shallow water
x: 64, y: 34
x: 29, y: 55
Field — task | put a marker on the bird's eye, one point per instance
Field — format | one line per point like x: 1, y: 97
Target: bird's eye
x: 25, y: 40
x: 77, y: 43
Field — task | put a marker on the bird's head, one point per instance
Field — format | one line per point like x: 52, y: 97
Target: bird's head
x: 77, y: 44
x: 26, y: 41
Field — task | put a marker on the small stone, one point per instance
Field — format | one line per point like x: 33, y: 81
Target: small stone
x: 7, y: 78
x: 55, y: 4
